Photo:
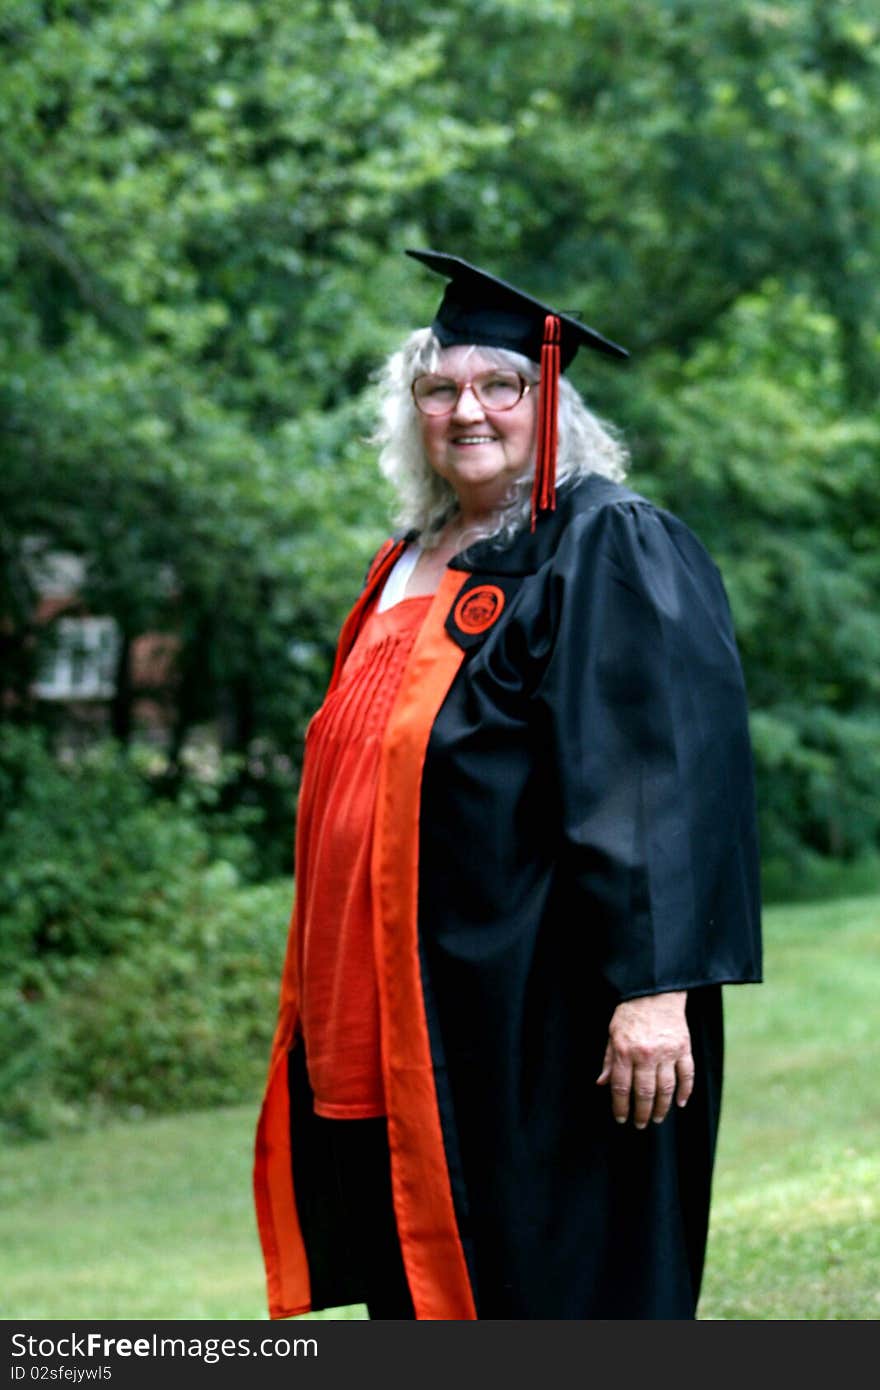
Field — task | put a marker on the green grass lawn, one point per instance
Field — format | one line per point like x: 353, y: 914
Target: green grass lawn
x: 796, y: 1216
x: 153, y: 1219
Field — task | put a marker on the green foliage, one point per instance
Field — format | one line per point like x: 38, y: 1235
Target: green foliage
x: 29, y: 1106
x: 202, y: 214
x: 88, y: 861
x: 137, y: 971
x: 185, y: 1022
x: 814, y: 878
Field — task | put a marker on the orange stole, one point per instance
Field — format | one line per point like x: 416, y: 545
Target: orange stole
x: 429, y: 1238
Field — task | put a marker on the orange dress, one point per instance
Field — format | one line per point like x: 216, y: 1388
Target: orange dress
x: 336, y: 962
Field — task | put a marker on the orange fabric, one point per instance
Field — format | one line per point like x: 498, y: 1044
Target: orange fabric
x: 383, y: 564
x: 287, y: 1271
x: 431, y: 1246
x: 339, y: 998
x: 426, y: 1223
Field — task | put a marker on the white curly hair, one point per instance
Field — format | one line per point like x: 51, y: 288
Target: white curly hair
x: 425, y: 500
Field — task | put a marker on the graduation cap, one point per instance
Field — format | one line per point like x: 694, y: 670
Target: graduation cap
x: 478, y: 308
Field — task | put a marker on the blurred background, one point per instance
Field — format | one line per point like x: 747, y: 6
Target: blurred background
x: 203, y: 211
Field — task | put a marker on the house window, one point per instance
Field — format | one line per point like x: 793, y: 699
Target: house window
x: 81, y: 663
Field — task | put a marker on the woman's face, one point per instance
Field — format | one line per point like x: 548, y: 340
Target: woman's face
x: 478, y: 451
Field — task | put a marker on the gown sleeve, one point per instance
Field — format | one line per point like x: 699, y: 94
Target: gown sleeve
x: 646, y: 715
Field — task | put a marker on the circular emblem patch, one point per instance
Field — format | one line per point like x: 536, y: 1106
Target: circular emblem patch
x: 479, y: 608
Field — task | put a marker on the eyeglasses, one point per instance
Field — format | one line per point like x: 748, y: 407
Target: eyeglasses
x: 439, y: 395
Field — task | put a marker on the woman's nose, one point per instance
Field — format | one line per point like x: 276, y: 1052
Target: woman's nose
x: 467, y: 407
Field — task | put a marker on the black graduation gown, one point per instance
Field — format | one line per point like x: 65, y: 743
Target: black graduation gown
x: 583, y: 827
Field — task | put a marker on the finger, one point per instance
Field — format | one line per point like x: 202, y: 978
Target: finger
x: 684, y: 1069
x: 605, y: 1074
x: 621, y: 1087
x: 665, y: 1091
x: 644, y: 1088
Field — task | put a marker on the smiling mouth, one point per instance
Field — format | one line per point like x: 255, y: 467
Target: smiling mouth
x: 476, y: 439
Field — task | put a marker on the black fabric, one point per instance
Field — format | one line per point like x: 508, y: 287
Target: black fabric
x: 342, y: 1180
x: 335, y: 1276
x: 362, y: 1164
x: 587, y: 835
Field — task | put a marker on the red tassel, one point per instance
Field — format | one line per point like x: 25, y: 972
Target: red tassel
x: 544, y: 486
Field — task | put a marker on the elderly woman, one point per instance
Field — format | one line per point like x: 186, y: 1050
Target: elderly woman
x: 526, y: 863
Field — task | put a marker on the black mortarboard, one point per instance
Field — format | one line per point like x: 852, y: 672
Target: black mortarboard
x: 478, y: 308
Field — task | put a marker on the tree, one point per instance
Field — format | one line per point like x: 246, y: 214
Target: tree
x: 204, y: 208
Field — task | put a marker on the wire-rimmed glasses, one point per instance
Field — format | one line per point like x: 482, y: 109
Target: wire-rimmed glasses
x: 494, y: 390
